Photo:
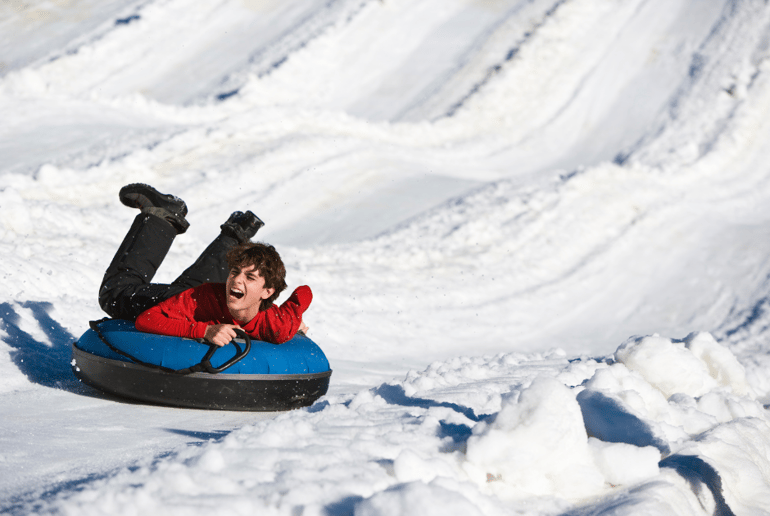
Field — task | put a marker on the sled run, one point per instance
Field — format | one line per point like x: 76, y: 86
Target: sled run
x: 536, y: 231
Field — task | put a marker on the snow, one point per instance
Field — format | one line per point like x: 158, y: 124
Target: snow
x: 536, y: 232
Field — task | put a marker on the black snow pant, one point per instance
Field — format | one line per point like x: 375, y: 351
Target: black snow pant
x: 127, y: 291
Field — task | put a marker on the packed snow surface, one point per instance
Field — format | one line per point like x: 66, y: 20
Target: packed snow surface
x: 536, y: 232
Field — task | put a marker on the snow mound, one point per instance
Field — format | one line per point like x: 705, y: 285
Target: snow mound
x: 535, y: 446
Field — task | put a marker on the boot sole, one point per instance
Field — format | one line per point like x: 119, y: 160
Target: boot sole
x: 139, y: 195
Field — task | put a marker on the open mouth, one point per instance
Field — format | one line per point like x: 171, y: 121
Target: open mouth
x: 237, y: 294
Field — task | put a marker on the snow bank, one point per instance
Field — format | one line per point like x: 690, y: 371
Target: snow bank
x: 564, y: 434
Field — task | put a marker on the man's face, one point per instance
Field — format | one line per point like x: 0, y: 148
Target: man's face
x: 245, y: 292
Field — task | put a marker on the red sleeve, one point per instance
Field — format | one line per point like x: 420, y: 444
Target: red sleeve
x: 187, y: 314
x: 279, y: 324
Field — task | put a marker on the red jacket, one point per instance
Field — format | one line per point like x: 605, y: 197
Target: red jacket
x: 189, y: 313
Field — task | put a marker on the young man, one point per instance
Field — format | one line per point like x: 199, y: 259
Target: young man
x: 231, y: 285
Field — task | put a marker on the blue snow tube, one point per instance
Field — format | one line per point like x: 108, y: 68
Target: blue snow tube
x: 246, y: 374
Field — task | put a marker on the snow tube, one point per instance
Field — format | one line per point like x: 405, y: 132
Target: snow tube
x: 115, y: 357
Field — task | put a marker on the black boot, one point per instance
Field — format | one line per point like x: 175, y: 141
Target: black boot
x: 242, y: 226
x: 168, y: 207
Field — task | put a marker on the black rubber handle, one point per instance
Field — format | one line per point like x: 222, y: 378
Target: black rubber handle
x: 206, y: 362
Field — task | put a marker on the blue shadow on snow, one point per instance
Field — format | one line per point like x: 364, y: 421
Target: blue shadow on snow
x: 202, y: 436
x: 43, y: 364
x: 344, y: 507
x: 395, y: 395
x: 606, y: 419
x: 698, y: 473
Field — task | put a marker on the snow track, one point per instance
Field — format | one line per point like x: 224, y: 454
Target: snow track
x: 494, y: 203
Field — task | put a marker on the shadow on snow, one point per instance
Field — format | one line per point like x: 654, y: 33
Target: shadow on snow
x: 44, y: 364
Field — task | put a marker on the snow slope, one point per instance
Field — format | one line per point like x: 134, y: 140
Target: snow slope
x: 535, y: 230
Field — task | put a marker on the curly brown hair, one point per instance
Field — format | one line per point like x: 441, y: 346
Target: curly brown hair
x: 266, y: 260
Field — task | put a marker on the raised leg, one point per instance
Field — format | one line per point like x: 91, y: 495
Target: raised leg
x: 211, y: 265
x: 126, y: 289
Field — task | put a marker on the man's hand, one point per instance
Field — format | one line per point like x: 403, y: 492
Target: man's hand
x: 303, y: 328
x: 220, y: 334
